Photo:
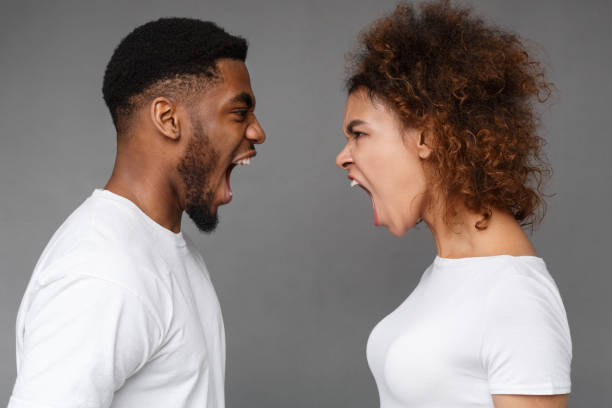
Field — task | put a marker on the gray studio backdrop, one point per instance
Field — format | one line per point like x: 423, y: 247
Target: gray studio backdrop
x: 301, y: 273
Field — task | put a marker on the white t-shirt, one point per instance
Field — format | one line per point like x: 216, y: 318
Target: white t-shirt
x: 119, y: 312
x: 471, y: 328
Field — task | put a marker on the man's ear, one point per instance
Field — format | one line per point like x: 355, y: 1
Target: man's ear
x: 423, y: 144
x: 165, y: 118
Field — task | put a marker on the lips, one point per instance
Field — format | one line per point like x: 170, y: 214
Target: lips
x: 245, y: 157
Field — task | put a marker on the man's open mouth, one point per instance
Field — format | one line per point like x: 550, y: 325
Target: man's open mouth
x: 243, y: 159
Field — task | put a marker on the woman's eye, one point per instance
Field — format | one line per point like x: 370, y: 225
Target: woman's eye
x: 358, y: 134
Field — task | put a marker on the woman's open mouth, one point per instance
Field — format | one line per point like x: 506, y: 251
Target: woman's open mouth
x: 375, y: 214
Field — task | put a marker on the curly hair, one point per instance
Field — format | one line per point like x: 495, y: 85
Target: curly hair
x: 165, y: 55
x: 472, y: 87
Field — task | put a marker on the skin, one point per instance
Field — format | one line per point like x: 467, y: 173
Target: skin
x: 389, y: 161
x: 177, y: 152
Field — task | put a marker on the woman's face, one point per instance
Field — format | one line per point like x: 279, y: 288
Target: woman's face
x: 386, y: 159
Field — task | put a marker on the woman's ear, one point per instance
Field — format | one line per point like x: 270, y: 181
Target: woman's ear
x: 423, y: 144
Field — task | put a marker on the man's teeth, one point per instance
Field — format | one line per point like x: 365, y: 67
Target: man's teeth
x: 354, y: 183
x: 246, y: 161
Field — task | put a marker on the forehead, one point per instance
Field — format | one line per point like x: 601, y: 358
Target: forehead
x: 235, y: 80
x: 235, y: 75
x: 360, y: 105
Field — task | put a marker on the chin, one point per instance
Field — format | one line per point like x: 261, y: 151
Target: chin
x: 400, y: 230
x: 397, y: 232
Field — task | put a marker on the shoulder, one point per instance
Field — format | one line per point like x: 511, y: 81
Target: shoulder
x: 104, y: 242
x: 526, y: 346
x: 520, y: 277
x: 102, y: 223
x: 112, y: 270
x: 504, y: 273
x: 525, y: 307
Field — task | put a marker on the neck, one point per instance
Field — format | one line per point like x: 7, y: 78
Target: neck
x: 459, y: 238
x: 145, y: 183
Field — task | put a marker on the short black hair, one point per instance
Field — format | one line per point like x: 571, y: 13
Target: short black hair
x: 165, y: 50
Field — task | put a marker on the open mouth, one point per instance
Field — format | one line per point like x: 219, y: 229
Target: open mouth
x: 243, y: 160
x: 355, y: 183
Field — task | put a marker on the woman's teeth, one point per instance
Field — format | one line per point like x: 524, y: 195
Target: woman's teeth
x: 354, y: 183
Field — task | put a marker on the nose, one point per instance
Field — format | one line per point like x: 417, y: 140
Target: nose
x: 255, y: 132
x: 344, y: 158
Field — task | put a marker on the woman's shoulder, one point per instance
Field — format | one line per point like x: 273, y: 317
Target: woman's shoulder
x: 523, y: 285
x: 522, y: 273
x: 500, y: 275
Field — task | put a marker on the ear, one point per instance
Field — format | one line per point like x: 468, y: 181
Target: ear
x: 165, y: 118
x: 423, y: 145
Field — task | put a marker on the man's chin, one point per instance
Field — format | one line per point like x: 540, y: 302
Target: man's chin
x: 203, y: 217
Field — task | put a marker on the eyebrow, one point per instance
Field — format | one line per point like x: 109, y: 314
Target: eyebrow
x: 245, y: 98
x: 352, y: 124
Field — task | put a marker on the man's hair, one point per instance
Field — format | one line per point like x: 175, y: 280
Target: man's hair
x: 165, y: 56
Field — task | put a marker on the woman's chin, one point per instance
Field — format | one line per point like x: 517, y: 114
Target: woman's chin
x: 397, y: 230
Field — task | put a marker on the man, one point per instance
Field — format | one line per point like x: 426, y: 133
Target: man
x: 120, y: 310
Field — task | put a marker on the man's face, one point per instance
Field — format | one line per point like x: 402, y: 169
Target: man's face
x: 222, y: 132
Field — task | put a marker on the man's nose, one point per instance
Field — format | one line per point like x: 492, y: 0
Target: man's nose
x: 255, y: 132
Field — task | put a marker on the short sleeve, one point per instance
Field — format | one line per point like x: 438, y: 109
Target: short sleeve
x: 526, y: 344
x: 83, y: 337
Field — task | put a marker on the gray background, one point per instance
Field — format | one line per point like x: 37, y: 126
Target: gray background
x: 301, y: 273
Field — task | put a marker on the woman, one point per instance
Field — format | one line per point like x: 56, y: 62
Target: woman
x: 440, y: 127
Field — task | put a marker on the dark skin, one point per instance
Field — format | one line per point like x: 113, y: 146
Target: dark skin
x: 209, y: 132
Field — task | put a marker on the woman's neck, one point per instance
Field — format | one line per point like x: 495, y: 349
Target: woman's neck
x: 459, y: 237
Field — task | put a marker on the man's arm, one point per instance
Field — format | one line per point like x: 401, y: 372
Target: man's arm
x: 83, y: 337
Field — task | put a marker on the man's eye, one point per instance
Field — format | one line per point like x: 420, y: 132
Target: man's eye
x: 242, y: 114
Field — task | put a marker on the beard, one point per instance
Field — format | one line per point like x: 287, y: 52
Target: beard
x: 195, y: 168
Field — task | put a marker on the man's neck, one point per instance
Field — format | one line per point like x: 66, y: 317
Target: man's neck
x: 149, y: 190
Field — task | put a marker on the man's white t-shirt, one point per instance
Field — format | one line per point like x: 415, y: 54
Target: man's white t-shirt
x: 471, y: 328
x: 120, y: 312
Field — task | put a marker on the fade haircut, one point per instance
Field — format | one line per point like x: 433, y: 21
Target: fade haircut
x: 172, y: 57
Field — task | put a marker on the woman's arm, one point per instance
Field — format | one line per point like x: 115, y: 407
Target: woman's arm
x: 530, y: 401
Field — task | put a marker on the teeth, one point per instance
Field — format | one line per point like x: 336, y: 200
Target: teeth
x: 354, y: 183
x: 245, y: 162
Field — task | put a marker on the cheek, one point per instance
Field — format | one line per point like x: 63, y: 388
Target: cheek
x: 375, y: 162
x: 393, y: 171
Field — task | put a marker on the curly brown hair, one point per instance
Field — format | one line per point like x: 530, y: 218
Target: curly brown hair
x: 472, y: 87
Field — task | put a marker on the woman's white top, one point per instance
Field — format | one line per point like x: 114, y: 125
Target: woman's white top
x: 471, y: 328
